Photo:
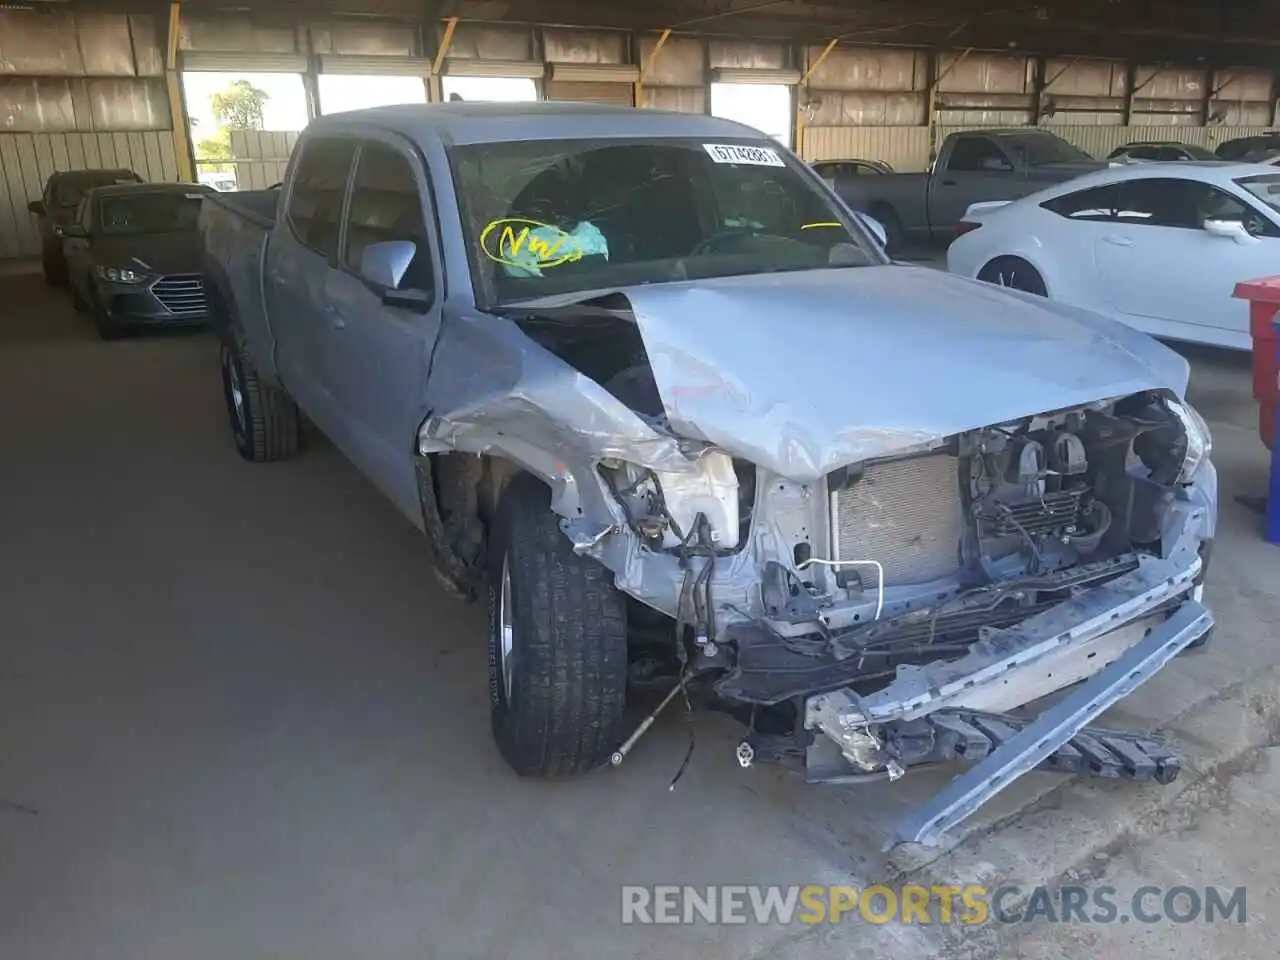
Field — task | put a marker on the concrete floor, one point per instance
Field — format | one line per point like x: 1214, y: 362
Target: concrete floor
x: 238, y: 719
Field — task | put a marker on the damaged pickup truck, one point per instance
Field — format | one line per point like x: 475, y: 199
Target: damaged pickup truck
x: 650, y: 389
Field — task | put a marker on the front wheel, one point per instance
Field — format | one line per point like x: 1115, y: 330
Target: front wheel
x: 1014, y: 273
x: 108, y: 328
x: 55, y: 271
x: 557, y: 642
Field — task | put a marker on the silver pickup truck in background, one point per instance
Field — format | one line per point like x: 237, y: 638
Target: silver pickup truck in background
x: 977, y: 165
x: 650, y: 389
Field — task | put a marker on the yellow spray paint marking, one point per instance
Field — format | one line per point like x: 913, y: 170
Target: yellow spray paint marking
x: 824, y: 223
x: 503, y: 241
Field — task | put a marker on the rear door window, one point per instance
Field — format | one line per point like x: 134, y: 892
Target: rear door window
x: 1096, y: 203
x: 319, y: 185
x: 972, y: 154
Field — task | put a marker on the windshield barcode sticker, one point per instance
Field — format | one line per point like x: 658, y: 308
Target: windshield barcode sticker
x: 737, y: 153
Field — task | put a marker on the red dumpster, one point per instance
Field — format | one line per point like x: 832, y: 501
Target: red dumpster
x: 1264, y: 301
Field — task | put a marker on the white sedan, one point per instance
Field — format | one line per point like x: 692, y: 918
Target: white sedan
x: 1158, y: 247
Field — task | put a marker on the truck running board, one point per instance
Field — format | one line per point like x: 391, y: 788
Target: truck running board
x: 1038, y: 740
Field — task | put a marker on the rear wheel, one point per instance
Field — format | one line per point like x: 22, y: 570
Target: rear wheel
x: 1014, y: 273
x: 895, y: 235
x: 264, y: 419
x: 557, y: 642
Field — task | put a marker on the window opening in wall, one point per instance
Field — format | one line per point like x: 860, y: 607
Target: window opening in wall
x: 502, y: 89
x: 220, y: 103
x: 764, y: 106
x: 339, y: 92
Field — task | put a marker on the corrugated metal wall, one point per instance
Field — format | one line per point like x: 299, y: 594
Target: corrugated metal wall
x: 27, y: 160
x: 261, y: 157
x: 903, y: 148
x: 78, y: 90
x: 586, y: 47
x: 71, y: 85
x: 677, y: 78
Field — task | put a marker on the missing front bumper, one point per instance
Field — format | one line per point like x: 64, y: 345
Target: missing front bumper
x: 1054, y: 728
x: 1126, y: 625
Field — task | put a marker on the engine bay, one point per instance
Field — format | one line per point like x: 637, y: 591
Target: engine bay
x: 910, y: 559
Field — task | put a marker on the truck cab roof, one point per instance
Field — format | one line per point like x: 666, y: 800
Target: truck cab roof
x: 461, y: 122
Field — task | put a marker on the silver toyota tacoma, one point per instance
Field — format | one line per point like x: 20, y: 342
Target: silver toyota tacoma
x: 650, y: 389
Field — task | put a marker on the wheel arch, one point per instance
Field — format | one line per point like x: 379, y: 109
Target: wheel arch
x: 1031, y: 259
x: 459, y: 494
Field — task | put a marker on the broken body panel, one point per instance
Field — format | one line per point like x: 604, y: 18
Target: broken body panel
x: 759, y: 369
x: 872, y: 492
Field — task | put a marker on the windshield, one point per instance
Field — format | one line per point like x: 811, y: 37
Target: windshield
x: 1266, y: 187
x: 169, y: 212
x: 1048, y: 148
x: 68, y: 191
x: 555, y: 217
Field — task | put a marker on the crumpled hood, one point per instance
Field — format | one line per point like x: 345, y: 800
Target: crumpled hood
x: 802, y: 373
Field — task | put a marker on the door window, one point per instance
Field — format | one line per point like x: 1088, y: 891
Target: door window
x: 1183, y: 204
x: 1096, y: 203
x: 319, y: 184
x: 977, y: 154
x: 1142, y: 153
x: 1171, y: 153
x: 386, y: 206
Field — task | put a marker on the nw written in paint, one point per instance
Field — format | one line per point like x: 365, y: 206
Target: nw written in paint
x: 519, y: 242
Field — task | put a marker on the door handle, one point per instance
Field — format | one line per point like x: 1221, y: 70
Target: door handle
x: 1118, y: 241
x: 948, y: 183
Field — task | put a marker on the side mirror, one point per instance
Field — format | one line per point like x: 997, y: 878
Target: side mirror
x: 71, y: 230
x: 37, y: 207
x: 385, y: 264
x: 1230, y: 230
x: 875, y: 226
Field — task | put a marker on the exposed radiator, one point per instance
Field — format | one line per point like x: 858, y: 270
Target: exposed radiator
x: 907, y: 514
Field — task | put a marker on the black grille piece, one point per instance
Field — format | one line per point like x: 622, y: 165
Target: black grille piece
x: 182, y: 294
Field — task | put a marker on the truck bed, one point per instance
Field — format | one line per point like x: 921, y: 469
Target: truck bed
x: 235, y: 229
x: 256, y: 206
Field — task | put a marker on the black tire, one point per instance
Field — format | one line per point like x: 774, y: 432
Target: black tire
x: 895, y: 235
x: 55, y: 273
x: 1014, y: 273
x: 107, y: 328
x: 264, y: 419
x: 558, y: 710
